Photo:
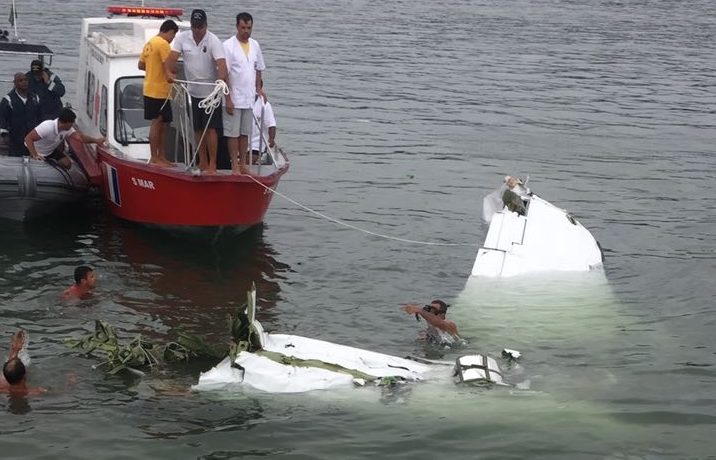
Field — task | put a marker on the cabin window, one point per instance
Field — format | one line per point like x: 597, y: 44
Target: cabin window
x: 130, y: 125
x: 103, y: 112
x: 90, y: 94
x: 89, y: 84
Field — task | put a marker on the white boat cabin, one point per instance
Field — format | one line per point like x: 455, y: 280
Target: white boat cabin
x: 110, y: 85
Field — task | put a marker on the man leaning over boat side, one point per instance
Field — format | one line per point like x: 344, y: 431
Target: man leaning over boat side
x: 154, y: 60
x: 204, y: 62
x: 47, y: 140
x: 245, y: 63
x: 19, y: 114
x: 48, y: 87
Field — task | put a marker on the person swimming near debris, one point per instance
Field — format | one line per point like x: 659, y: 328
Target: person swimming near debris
x: 440, y: 330
x: 85, y: 281
x: 14, y: 371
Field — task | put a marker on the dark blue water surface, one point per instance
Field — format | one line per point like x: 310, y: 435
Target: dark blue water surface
x: 398, y: 118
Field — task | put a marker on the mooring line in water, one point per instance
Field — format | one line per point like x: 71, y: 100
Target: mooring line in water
x: 346, y: 224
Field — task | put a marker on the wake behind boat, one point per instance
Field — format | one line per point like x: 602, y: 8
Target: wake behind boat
x: 110, y: 103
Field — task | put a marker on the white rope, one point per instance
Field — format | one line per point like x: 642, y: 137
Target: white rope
x: 214, y: 99
x: 345, y: 224
x: 209, y: 104
x: 184, y: 120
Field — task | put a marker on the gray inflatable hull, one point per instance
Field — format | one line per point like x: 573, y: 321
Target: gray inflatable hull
x: 31, y: 189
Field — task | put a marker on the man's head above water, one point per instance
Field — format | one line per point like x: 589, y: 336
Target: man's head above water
x: 437, y: 307
x: 14, y: 371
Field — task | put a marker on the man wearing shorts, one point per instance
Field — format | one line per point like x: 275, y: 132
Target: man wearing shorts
x: 203, y: 62
x: 245, y: 62
x: 157, y: 85
x: 47, y: 140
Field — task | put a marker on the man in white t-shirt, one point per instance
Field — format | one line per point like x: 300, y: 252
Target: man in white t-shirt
x: 264, y: 128
x: 245, y: 63
x: 204, y: 62
x: 48, y: 138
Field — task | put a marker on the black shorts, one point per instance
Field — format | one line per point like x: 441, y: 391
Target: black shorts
x: 201, y: 118
x: 58, y: 153
x: 154, y: 108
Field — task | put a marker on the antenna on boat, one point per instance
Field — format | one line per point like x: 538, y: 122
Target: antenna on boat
x: 13, y: 18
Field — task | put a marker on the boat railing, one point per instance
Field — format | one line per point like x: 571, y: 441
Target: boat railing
x: 275, y: 153
x: 185, y: 141
x: 184, y: 121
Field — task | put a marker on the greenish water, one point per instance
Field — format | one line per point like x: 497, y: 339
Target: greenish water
x: 399, y: 117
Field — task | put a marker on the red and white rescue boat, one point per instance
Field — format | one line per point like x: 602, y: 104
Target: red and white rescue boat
x: 110, y: 103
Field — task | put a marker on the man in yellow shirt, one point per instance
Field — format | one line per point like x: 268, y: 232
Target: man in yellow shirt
x: 157, y: 85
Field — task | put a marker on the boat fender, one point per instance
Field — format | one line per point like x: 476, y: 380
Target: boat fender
x: 27, y: 185
x: 478, y: 369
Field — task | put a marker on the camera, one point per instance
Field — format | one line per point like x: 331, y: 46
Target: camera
x: 426, y: 308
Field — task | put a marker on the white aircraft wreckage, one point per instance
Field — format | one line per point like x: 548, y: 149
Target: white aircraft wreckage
x: 527, y: 235
x: 538, y: 283
x: 281, y: 363
x: 530, y: 235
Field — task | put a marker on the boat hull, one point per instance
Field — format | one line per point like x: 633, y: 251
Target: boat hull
x: 34, y: 189
x: 178, y: 200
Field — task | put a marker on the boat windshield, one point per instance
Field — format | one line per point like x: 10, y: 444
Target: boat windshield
x: 130, y: 125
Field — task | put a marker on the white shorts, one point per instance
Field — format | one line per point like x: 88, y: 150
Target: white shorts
x: 238, y: 124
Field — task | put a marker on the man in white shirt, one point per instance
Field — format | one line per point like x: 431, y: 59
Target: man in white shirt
x: 203, y: 62
x: 264, y: 128
x: 245, y: 63
x: 48, y: 138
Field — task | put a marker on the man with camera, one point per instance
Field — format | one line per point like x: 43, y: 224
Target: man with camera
x: 48, y: 87
x: 440, y: 330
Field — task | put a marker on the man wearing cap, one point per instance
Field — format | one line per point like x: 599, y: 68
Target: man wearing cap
x: 48, y: 87
x: 204, y: 63
x: 245, y: 62
x: 154, y: 60
x: 440, y: 330
x: 19, y: 114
